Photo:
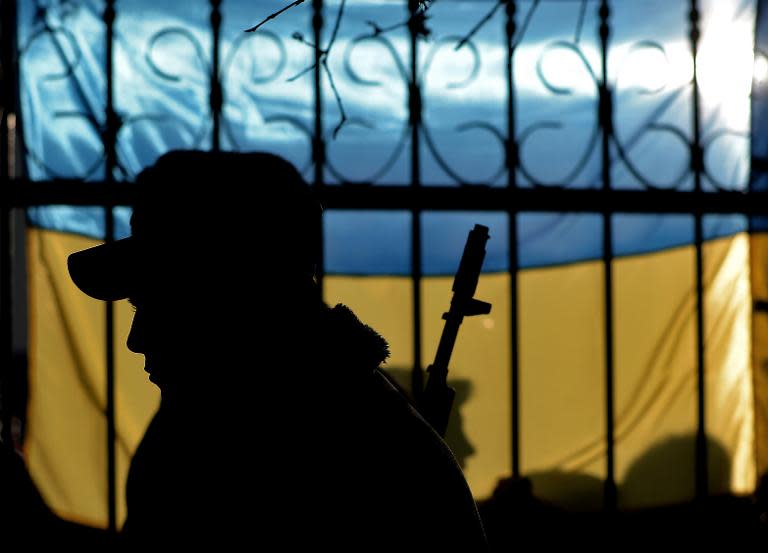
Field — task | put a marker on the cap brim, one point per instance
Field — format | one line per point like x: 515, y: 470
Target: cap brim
x: 105, y: 272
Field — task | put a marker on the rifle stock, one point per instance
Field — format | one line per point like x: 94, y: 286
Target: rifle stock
x: 437, y: 398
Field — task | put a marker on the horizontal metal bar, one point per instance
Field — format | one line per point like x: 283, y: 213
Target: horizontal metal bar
x: 23, y: 193
x: 20, y: 193
x: 546, y: 199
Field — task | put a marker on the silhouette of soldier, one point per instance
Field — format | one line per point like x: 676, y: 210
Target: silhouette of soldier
x: 276, y: 426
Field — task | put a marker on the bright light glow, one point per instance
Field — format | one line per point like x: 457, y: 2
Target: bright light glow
x: 562, y: 68
x: 726, y: 62
x: 648, y: 69
x: 760, y: 69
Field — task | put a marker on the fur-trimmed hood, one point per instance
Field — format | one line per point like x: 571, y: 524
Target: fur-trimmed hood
x: 348, y: 343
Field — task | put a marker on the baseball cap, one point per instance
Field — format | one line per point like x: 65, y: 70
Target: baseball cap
x: 204, y: 219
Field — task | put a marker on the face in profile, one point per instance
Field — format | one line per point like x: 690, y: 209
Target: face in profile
x: 202, y: 329
x: 167, y: 335
x: 145, y: 339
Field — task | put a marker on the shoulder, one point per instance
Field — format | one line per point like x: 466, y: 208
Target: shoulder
x: 407, y: 439
x: 414, y: 461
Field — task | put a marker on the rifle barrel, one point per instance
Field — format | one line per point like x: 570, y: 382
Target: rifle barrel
x: 437, y: 399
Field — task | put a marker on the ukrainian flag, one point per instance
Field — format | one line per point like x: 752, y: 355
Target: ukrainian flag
x: 368, y: 260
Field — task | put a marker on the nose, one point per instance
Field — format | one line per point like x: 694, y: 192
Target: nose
x: 136, y: 341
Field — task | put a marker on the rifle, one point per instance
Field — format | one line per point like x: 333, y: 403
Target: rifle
x: 437, y: 398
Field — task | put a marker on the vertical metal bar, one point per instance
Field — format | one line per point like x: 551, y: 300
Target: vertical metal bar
x: 110, y: 407
x: 6, y: 239
x: 697, y: 167
x: 511, y: 160
x: 318, y: 143
x: 605, y: 117
x: 6, y: 61
x: 112, y: 124
x: 216, y: 93
x: 414, y: 114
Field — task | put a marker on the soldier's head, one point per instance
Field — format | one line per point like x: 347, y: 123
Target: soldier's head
x: 220, y: 242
